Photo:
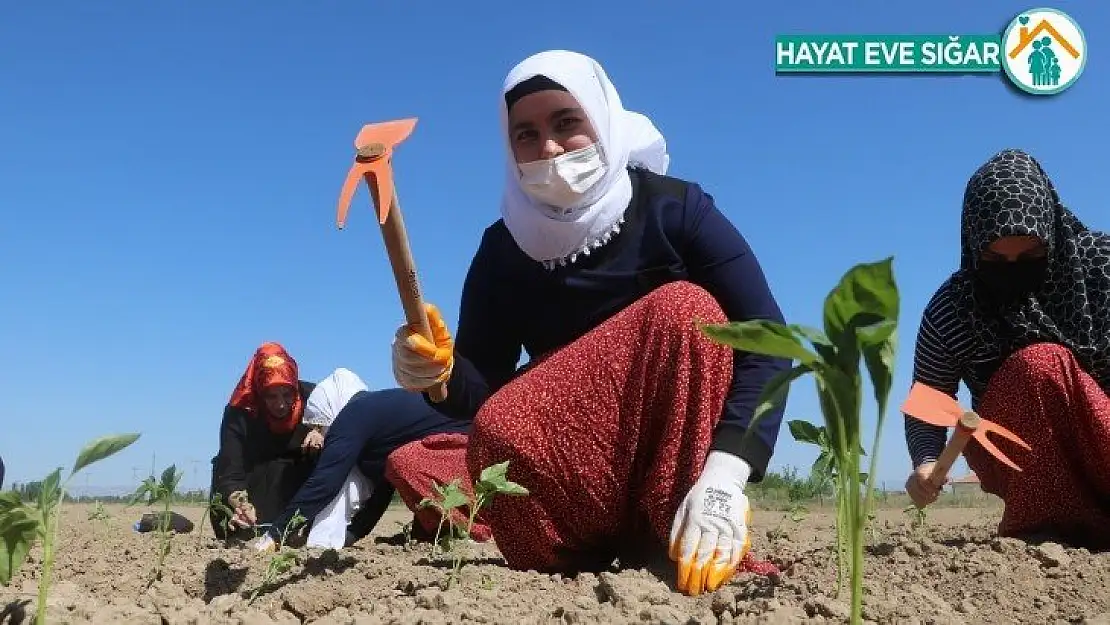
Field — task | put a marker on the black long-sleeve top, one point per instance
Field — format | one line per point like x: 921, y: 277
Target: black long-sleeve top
x: 672, y: 231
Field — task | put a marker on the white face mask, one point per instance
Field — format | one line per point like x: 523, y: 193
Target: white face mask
x: 563, y: 180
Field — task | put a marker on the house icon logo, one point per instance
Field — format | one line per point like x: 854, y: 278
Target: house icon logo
x: 1044, y: 51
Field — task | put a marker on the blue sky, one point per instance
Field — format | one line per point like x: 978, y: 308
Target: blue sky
x: 169, y: 174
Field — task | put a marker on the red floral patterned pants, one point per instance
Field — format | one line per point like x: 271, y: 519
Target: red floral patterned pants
x: 608, y: 435
x: 1041, y: 394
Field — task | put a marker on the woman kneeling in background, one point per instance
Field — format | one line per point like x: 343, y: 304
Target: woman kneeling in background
x: 1025, y: 324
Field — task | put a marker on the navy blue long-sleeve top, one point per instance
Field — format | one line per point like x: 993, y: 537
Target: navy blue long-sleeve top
x: 673, y: 231
x: 363, y: 434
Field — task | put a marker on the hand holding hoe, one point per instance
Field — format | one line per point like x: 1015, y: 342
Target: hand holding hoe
x: 932, y: 406
x: 374, y: 163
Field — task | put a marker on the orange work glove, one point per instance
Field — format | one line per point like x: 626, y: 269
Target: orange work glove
x: 418, y: 364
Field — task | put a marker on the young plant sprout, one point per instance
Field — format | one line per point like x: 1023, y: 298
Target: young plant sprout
x: 492, y: 482
x: 825, y: 469
x: 860, y: 319
x: 153, y: 492
x: 918, y: 517
x: 451, y: 497
x: 281, y: 560
x: 22, y: 523
x: 99, y: 513
x: 215, y: 504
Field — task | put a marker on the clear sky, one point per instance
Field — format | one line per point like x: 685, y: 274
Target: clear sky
x: 169, y: 172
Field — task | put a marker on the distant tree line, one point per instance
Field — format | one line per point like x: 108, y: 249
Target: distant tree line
x: 29, y: 491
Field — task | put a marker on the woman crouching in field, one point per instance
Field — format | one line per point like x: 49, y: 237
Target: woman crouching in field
x: 347, y: 493
x: 628, y: 427
x: 266, y: 451
x: 1025, y: 324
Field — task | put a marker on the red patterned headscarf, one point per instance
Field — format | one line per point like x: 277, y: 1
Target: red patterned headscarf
x: 270, y: 366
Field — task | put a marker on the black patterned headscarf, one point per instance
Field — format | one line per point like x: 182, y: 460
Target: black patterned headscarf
x: 1011, y: 195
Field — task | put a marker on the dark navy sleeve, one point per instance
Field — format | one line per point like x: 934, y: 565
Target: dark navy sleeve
x: 720, y: 260
x: 339, y: 455
x: 487, y: 347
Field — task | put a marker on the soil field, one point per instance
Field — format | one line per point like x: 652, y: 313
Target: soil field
x: 951, y: 571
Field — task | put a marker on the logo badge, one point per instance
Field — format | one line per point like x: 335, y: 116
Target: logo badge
x: 1043, y: 51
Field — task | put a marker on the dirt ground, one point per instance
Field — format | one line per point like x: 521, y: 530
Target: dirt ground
x: 952, y: 571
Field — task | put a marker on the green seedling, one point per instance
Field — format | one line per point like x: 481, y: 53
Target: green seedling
x: 918, y: 517
x: 492, y: 482
x: 824, y: 471
x: 281, y: 560
x: 797, y: 513
x: 154, y: 492
x: 215, y: 504
x: 860, y: 319
x: 99, y: 513
x: 872, y: 524
x: 449, y: 497
x: 24, y: 523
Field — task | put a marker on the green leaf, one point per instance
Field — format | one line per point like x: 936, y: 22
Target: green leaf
x: 171, y: 477
x: 805, y: 432
x: 51, y: 490
x: 295, y: 522
x: 10, y: 500
x: 811, y: 334
x: 144, y: 493
x: 760, y: 336
x: 100, y: 448
x: 495, y: 474
x: 865, y: 295
x: 512, y: 489
x: 217, y: 505
x: 879, y: 358
x: 876, y: 333
x: 821, y: 343
x: 19, y: 528
x: 775, y: 391
x: 823, y: 467
x: 838, y: 393
x: 453, y: 497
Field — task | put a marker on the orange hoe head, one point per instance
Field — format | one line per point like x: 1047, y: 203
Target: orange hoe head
x: 927, y: 404
x: 374, y: 163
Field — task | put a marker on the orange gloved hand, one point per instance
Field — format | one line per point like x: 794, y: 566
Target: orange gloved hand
x: 709, y: 535
x: 420, y: 364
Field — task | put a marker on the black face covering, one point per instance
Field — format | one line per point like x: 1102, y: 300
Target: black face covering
x: 1011, y: 195
x: 1002, y: 282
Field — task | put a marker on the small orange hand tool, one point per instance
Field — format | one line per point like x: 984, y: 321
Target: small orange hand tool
x: 932, y: 406
x: 374, y: 163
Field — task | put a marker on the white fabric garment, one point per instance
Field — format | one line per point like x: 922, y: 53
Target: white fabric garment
x: 330, y: 396
x: 329, y: 528
x: 551, y: 235
x: 710, y: 529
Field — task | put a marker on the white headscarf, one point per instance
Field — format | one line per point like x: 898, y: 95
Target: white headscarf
x: 624, y: 137
x: 330, y: 396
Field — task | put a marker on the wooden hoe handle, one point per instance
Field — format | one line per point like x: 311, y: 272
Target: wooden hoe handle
x: 408, y: 285
x: 965, y: 429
